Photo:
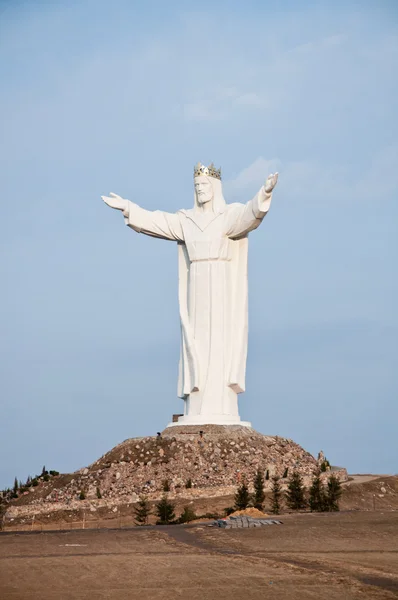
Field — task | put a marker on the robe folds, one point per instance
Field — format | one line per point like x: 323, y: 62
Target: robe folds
x: 213, y: 297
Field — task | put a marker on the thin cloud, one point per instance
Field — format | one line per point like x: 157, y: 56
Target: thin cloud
x: 252, y: 177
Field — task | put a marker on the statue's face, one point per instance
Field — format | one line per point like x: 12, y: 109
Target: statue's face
x: 204, y: 190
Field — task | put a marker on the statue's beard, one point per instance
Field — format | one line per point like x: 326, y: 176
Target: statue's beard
x: 204, y: 200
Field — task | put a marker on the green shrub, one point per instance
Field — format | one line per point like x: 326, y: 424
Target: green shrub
x: 317, y: 497
x: 98, y: 491
x: 333, y: 493
x: 210, y: 515
x: 276, y: 495
x: 142, y: 511
x: 228, y: 511
x: 166, y: 485
x: 285, y: 473
x: 188, y: 484
x: 187, y: 515
x: 82, y: 495
x: 242, y: 497
x: 165, y: 511
x: 259, y: 494
x: 295, y: 498
x: 2, y: 512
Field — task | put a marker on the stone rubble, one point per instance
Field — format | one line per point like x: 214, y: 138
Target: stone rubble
x: 243, y: 521
x: 191, y: 462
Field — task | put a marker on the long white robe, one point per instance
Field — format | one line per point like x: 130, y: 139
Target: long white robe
x: 213, y: 300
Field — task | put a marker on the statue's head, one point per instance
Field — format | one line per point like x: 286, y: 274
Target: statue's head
x: 207, y: 182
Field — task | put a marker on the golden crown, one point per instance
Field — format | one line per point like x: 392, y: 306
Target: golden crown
x: 210, y: 171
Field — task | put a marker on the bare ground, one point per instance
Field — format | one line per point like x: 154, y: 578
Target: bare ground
x: 348, y: 555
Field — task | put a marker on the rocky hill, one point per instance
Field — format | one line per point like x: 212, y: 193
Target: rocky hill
x: 189, y: 462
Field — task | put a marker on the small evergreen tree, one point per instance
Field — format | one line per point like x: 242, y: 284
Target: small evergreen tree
x: 15, y: 488
x: 285, y: 473
x: 276, y: 495
x: 188, y: 484
x: 165, y: 511
x: 82, y: 495
x: 295, y: 498
x: 323, y: 466
x: 259, y: 494
x: 166, y: 485
x: 242, y: 497
x: 187, y: 515
x: 333, y: 494
x: 142, y: 511
x: 43, y: 471
x: 2, y: 513
x: 317, y: 499
x: 267, y: 475
x: 98, y: 491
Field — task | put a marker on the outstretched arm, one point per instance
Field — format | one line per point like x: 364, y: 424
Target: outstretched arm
x: 243, y: 218
x: 155, y: 223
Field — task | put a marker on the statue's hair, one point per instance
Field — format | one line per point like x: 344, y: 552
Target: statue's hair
x: 218, y: 198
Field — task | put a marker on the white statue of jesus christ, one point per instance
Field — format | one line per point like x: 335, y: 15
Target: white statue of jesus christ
x: 212, y: 240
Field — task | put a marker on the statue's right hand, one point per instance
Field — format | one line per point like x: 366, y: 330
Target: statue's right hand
x: 115, y: 201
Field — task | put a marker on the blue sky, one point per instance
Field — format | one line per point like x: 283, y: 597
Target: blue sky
x: 99, y: 97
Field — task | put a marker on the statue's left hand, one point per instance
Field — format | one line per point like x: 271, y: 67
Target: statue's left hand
x: 271, y: 182
x: 115, y: 201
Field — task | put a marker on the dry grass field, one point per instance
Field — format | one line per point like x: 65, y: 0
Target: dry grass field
x: 341, y: 556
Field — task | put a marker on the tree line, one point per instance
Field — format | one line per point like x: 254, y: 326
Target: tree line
x: 20, y: 488
x: 320, y: 498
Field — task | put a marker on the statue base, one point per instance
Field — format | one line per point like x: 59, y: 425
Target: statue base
x: 209, y: 420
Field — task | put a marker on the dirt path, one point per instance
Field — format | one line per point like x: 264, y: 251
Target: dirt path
x: 364, y: 478
x: 302, y: 559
